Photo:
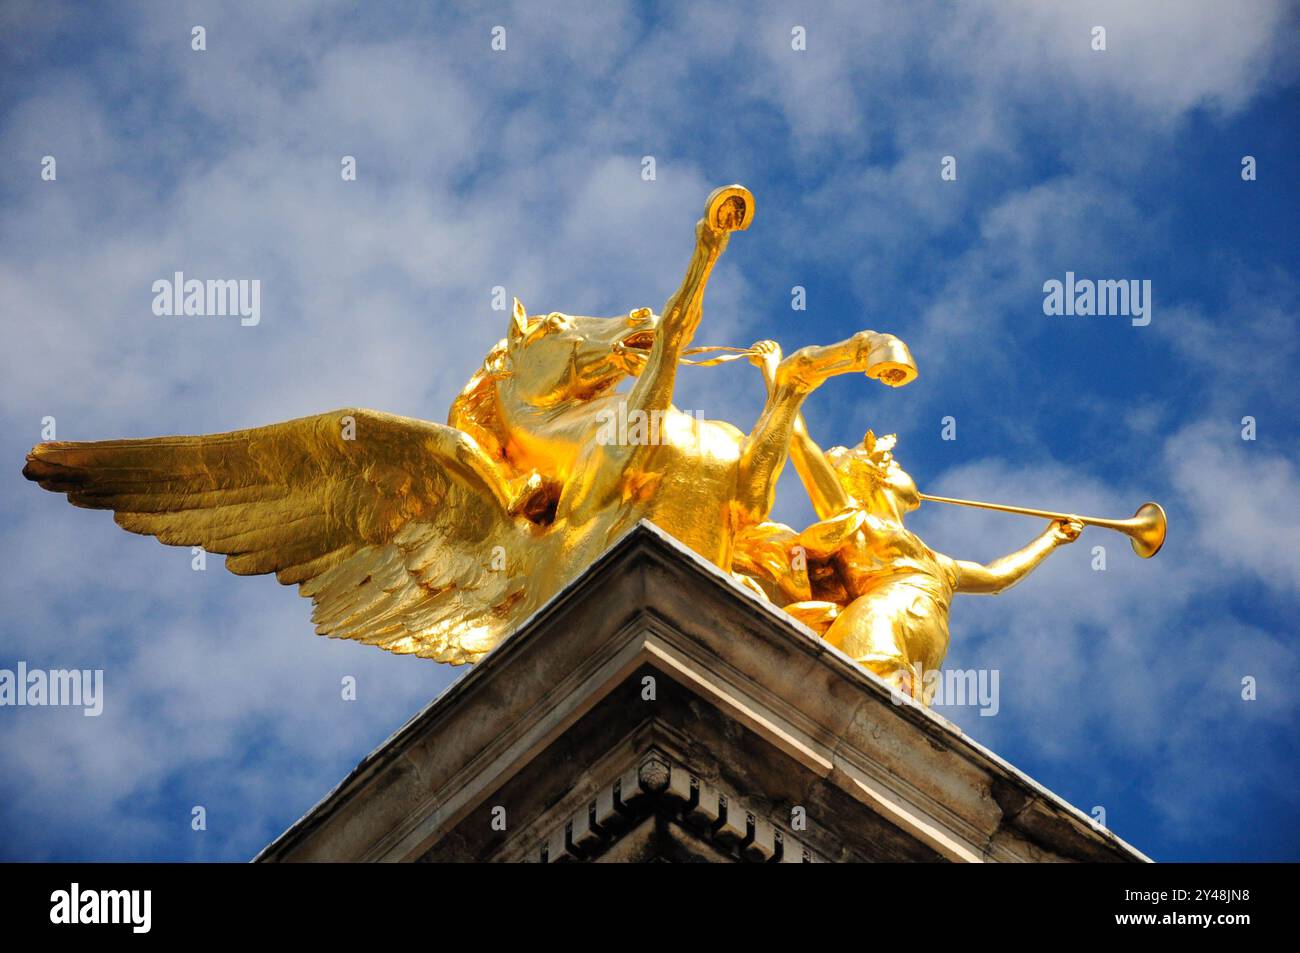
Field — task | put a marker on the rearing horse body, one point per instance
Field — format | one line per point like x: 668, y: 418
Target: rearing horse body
x: 539, y: 404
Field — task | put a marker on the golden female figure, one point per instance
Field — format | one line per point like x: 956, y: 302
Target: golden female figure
x: 870, y: 586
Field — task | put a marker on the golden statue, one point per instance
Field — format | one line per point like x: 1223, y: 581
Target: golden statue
x: 864, y: 582
x: 438, y: 540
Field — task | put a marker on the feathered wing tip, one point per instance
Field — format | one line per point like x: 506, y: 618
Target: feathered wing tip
x: 386, y: 522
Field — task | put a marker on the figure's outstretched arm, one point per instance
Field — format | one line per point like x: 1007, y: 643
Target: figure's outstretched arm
x: 818, y: 477
x: 1010, y: 569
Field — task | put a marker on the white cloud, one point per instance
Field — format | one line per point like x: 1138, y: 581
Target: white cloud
x: 1241, y: 500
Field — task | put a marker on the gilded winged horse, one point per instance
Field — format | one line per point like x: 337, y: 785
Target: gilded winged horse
x: 438, y: 540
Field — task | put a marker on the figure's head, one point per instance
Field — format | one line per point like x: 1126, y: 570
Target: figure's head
x: 555, y: 358
x: 869, y: 470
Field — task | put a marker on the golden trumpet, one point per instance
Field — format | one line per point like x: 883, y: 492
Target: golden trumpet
x: 1145, y: 528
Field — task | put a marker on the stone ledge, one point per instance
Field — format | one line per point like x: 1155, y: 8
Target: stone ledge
x: 820, y: 727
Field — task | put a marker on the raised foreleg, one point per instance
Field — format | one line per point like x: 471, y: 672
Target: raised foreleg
x: 881, y: 356
x: 601, y: 477
x: 728, y: 209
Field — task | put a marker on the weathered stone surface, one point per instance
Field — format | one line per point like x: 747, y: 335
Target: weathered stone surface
x: 761, y: 744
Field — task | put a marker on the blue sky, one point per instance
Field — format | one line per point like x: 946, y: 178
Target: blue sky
x: 522, y: 169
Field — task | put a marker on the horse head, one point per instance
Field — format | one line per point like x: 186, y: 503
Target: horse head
x: 530, y: 405
x: 557, y: 359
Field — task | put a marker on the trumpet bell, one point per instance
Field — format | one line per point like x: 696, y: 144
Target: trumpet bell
x: 1146, y: 530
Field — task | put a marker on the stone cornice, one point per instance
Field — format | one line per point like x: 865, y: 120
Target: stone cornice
x: 651, y: 605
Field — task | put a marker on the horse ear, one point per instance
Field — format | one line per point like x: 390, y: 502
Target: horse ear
x: 518, y: 322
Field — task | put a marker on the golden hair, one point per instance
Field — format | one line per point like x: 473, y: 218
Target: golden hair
x: 867, y: 466
x: 475, y: 409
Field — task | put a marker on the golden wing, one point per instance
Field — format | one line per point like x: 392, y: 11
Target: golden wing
x: 398, y: 529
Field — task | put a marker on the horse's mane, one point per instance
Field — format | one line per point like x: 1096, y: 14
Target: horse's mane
x: 475, y: 409
x: 477, y: 412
